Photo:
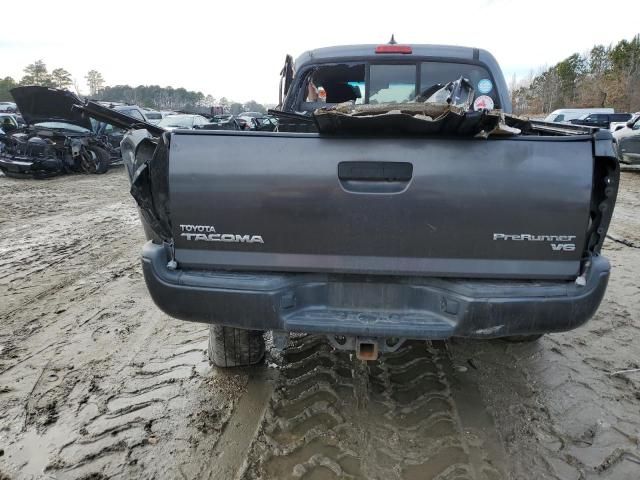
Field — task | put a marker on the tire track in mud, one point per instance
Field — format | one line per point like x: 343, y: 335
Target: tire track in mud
x: 333, y: 416
x: 120, y: 417
x: 95, y: 382
x: 117, y: 422
x: 233, y: 446
x: 62, y: 253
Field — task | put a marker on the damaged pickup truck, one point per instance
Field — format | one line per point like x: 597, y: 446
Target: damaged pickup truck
x: 55, y: 140
x: 412, y: 206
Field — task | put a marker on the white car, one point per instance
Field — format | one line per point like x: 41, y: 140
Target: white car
x: 8, y: 107
x: 153, y: 116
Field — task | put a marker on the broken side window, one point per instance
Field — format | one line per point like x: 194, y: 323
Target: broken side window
x: 336, y: 84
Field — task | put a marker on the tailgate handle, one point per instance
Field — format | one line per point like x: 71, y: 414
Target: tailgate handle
x: 375, y: 171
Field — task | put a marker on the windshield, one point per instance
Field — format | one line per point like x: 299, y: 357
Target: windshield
x: 62, y: 126
x: 8, y: 119
x: 177, y: 121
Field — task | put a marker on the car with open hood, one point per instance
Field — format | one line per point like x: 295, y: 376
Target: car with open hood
x: 56, y: 138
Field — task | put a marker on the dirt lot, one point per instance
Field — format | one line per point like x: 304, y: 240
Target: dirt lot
x: 96, y: 383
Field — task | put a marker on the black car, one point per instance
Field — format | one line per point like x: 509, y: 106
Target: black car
x: 55, y: 140
x: 113, y: 134
x: 602, y: 120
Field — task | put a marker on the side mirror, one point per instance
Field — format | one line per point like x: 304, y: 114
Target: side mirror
x: 631, y: 123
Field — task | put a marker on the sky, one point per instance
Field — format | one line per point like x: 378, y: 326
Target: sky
x: 236, y: 49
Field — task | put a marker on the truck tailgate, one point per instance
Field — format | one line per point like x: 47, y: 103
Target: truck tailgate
x: 503, y: 208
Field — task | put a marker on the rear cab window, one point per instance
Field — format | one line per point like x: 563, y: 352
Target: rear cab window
x: 392, y: 83
x: 386, y: 82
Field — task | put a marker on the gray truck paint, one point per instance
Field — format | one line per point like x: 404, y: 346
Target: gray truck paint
x: 441, y: 222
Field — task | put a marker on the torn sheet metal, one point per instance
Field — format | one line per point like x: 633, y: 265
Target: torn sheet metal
x: 150, y: 184
x: 440, y: 109
x: 412, y: 119
x: 459, y: 93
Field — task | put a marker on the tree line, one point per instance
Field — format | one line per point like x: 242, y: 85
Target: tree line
x: 150, y: 96
x: 605, y: 76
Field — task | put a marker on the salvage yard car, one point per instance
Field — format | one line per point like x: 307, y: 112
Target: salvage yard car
x: 53, y: 141
x: 8, y: 122
x: 153, y: 116
x: 183, y: 120
x: 627, y: 141
x: 224, y: 122
x: 8, y: 107
x: 413, y: 206
x: 115, y: 135
x: 565, y: 115
x: 601, y: 120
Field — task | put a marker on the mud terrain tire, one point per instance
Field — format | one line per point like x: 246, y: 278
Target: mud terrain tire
x: 234, y: 347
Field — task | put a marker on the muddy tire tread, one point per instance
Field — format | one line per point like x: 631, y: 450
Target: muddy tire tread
x: 234, y: 347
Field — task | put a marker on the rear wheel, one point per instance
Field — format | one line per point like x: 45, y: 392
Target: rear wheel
x: 234, y: 347
x: 522, y: 338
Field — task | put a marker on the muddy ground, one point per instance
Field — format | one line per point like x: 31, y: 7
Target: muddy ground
x: 95, y: 382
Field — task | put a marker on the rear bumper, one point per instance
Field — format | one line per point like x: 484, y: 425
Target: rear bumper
x: 407, y: 307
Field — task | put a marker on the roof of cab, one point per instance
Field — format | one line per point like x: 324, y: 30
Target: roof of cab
x: 354, y: 52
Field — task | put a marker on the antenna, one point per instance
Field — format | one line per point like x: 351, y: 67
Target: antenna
x: 393, y: 40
